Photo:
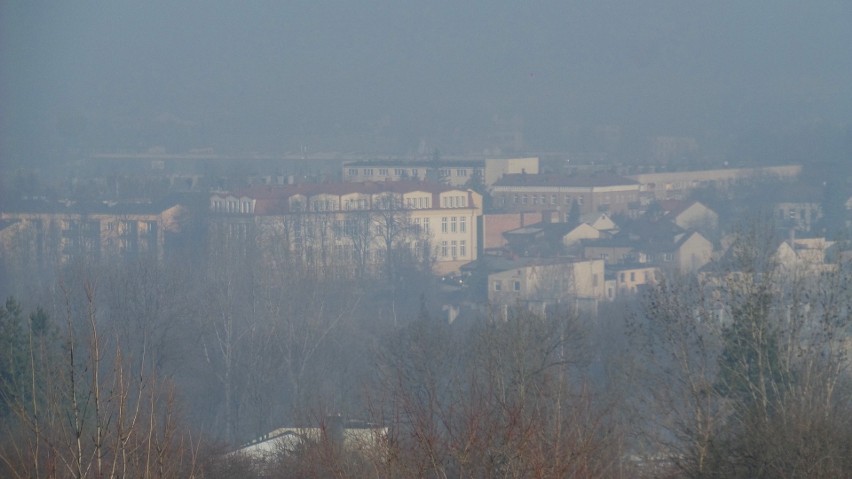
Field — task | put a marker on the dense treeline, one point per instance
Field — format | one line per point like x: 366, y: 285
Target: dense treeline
x: 135, y: 369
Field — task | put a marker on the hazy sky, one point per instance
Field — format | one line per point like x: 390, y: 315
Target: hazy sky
x: 270, y: 76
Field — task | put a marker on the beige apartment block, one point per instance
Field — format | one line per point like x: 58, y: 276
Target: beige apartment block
x: 677, y: 185
x: 354, y: 225
x: 590, y: 193
x: 46, y: 234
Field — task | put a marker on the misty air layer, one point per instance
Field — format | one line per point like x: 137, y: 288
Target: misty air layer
x: 436, y: 240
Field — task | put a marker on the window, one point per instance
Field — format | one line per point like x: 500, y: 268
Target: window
x: 541, y: 198
x: 454, y: 248
x: 516, y: 285
x: 353, y: 172
x: 453, y: 224
x: 443, y: 249
x: 534, y: 199
x: 515, y: 199
x: 383, y: 172
x: 444, y: 224
x: 463, y: 248
x: 553, y: 199
x: 368, y: 172
x: 632, y: 276
x: 523, y: 199
x: 399, y: 172
x: 426, y: 225
x: 463, y: 224
x: 498, y: 286
x: 580, y: 200
x: 461, y: 172
x: 621, y: 277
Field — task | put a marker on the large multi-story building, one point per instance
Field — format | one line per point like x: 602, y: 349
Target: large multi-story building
x: 353, y: 225
x: 50, y: 233
x: 678, y: 185
x: 591, y: 193
x: 454, y: 173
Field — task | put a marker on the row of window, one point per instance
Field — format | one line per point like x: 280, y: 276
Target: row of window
x: 456, y: 224
x: 453, y: 249
x: 498, y: 286
x: 622, y: 276
x: 420, y: 203
x: 457, y: 201
x: 231, y: 206
x: 541, y: 199
x: 421, y: 226
x: 402, y: 172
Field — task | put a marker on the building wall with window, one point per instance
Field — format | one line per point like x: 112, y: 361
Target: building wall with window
x: 629, y: 278
x: 798, y: 215
x: 592, y: 194
x: 449, y: 172
x: 50, y: 234
x: 356, y: 224
x: 548, y: 283
x: 677, y: 185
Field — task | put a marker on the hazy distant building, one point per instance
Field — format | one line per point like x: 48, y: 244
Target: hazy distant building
x: 690, y: 215
x: 454, y: 173
x: 549, y: 282
x: 625, y: 280
x: 591, y: 193
x: 677, y: 185
x: 49, y: 233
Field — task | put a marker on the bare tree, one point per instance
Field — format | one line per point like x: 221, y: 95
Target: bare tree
x: 507, y: 399
x: 748, y: 361
x: 89, y: 414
